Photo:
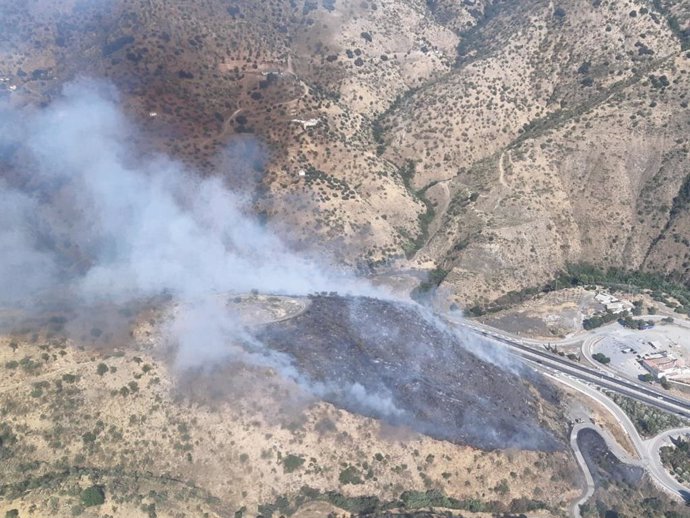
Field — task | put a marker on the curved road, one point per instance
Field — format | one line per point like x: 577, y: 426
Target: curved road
x: 647, y: 451
x: 589, y: 381
x: 585, y: 381
x: 589, y: 480
x: 653, y: 446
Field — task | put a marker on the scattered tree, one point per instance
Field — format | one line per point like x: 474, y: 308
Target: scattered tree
x: 92, y: 496
x: 601, y: 358
x: 292, y: 462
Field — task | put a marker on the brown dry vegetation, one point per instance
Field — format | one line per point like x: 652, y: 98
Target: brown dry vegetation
x: 558, y: 133
x: 540, y: 134
x: 75, y: 417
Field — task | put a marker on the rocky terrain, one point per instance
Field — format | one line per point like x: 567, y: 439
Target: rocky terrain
x: 573, y: 152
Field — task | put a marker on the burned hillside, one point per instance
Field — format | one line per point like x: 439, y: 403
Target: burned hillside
x: 390, y: 360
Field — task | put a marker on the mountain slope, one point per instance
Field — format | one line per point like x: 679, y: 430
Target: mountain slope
x: 497, y: 140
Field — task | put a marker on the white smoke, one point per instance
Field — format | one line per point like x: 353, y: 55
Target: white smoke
x: 379, y: 403
x: 85, y: 220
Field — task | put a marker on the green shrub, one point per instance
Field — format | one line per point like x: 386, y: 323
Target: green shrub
x: 433, y: 281
x: 648, y: 420
x: 601, y: 358
x: 359, y: 504
x: 599, y: 320
x: 502, y: 488
x: 89, y: 437
x: 350, y: 475
x: 28, y: 364
x: 292, y: 462
x: 676, y: 458
x: 310, y: 492
x: 92, y: 496
x: 266, y: 510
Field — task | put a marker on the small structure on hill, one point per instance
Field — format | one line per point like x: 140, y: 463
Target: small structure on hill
x: 310, y: 123
x: 613, y: 304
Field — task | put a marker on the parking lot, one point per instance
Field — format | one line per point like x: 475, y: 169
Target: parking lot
x: 625, y: 346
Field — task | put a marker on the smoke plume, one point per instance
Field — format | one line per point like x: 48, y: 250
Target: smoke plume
x: 89, y: 220
x: 86, y: 219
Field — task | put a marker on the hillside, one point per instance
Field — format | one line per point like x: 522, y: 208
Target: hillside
x: 196, y: 194
x: 498, y: 140
x: 549, y: 148
x: 232, y: 90
x: 154, y: 440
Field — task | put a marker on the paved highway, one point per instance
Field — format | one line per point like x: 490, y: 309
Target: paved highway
x: 610, y: 381
x: 589, y: 480
x: 589, y: 381
x: 647, y: 450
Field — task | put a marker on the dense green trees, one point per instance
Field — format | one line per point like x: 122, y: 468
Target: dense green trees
x: 599, y: 320
x: 677, y: 458
x: 661, y: 287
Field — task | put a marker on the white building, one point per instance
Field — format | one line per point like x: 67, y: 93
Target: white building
x: 310, y: 123
x: 613, y: 304
x: 664, y: 365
